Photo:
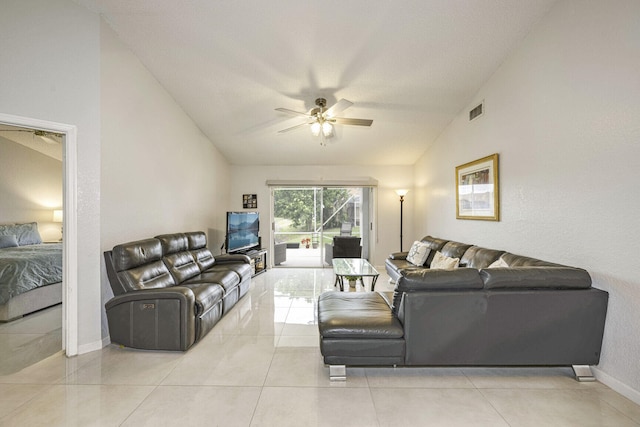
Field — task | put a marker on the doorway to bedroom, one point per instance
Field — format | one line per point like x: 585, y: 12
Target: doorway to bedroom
x: 68, y: 312
x: 31, y: 211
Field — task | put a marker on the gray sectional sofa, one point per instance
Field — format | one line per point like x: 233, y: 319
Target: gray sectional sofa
x: 170, y: 290
x: 531, y: 313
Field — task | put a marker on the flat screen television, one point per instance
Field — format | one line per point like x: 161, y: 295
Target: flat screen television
x: 242, y: 231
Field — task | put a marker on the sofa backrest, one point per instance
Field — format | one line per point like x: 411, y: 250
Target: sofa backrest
x: 177, y: 258
x: 454, y: 249
x: 477, y: 257
x: 172, y: 243
x: 523, y: 261
x: 196, y: 240
x: 533, y: 277
x: 137, y: 265
x: 435, y: 244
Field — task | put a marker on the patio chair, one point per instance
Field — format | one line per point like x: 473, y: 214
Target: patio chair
x: 342, y: 247
x: 345, y: 229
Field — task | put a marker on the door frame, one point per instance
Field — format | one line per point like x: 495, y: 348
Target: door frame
x: 370, y: 216
x: 70, y: 224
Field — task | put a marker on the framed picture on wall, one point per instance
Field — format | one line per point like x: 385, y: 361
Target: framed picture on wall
x: 250, y: 201
x: 477, y: 189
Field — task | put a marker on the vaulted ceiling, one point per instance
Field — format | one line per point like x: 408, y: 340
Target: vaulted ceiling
x: 409, y: 65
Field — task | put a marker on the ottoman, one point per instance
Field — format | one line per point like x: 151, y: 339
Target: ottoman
x: 358, y: 328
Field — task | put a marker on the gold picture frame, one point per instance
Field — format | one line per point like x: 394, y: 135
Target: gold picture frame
x: 478, y: 190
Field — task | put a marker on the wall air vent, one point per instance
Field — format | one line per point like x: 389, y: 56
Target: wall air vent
x: 477, y: 111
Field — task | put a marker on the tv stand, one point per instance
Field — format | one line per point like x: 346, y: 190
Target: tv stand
x: 258, y: 261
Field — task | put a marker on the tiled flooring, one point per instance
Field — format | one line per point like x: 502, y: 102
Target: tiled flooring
x: 30, y: 339
x: 261, y: 366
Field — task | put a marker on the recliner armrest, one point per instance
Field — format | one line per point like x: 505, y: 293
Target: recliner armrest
x: 153, y: 319
x: 232, y: 258
x: 399, y: 255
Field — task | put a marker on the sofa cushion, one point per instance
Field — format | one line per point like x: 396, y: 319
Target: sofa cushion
x: 241, y: 269
x: 454, y: 249
x: 443, y: 262
x: 207, y: 295
x: 477, y: 257
x: 196, y: 239
x: 499, y: 263
x: 204, y: 258
x: 523, y: 261
x: 418, y: 253
x: 147, y: 276
x: 172, y: 243
x: 425, y: 279
x: 133, y: 254
x: 227, y: 279
x: 363, y: 315
x: 535, y: 278
x: 435, y: 244
x: 181, y: 265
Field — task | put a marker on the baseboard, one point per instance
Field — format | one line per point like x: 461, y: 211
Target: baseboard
x: 617, y: 385
x: 94, y: 346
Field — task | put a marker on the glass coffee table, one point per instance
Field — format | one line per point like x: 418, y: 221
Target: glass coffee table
x: 353, y: 267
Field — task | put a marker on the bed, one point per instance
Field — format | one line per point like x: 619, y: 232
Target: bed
x: 30, y: 271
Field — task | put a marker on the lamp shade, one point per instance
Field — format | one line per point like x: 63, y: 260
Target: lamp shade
x: 57, y: 215
x: 402, y: 192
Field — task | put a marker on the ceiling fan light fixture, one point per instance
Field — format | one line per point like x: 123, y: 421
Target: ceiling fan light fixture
x: 327, y: 129
x: 315, y: 128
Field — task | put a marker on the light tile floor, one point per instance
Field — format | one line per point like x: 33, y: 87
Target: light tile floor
x: 261, y: 366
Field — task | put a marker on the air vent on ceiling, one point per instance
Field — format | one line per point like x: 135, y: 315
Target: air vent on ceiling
x: 477, y: 111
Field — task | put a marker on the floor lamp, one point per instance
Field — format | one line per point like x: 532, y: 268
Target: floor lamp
x: 401, y: 193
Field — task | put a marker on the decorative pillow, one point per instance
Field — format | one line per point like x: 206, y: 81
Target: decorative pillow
x: 8, y: 241
x: 26, y: 234
x: 443, y: 262
x: 418, y: 253
x: 499, y: 263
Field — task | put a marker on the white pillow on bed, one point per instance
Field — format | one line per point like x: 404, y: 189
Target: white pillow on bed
x: 25, y: 234
x: 8, y: 241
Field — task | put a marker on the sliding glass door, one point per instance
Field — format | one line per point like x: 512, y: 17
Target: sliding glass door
x: 307, y: 218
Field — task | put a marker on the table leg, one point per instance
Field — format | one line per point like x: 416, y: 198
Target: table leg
x: 373, y: 283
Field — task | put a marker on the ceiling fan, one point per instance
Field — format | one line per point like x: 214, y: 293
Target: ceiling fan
x: 46, y: 136
x: 322, y: 119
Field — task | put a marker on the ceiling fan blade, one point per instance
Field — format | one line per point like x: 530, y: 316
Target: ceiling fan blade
x: 295, y: 113
x: 293, y: 128
x: 338, y: 107
x: 355, y: 122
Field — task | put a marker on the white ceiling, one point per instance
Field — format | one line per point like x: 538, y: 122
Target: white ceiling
x: 411, y: 66
x: 50, y: 145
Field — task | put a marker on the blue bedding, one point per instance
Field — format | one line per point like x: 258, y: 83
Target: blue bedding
x: 28, y: 267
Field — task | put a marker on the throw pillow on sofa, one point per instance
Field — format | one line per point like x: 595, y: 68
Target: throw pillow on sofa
x: 443, y: 262
x: 418, y: 253
x: 499, y: 263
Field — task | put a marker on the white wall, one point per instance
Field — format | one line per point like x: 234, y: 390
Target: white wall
x: 386, y: 239
x: 30, y: 188
x: 564, y: 114
x: 50, y: 56
x: 160, y: 174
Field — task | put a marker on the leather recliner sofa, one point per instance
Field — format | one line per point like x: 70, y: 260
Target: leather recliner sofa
x: 532, y: 313
x: 170, y: 290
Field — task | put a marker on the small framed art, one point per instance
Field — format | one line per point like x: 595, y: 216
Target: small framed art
x: 250, y: 201
x: 477, y: 189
